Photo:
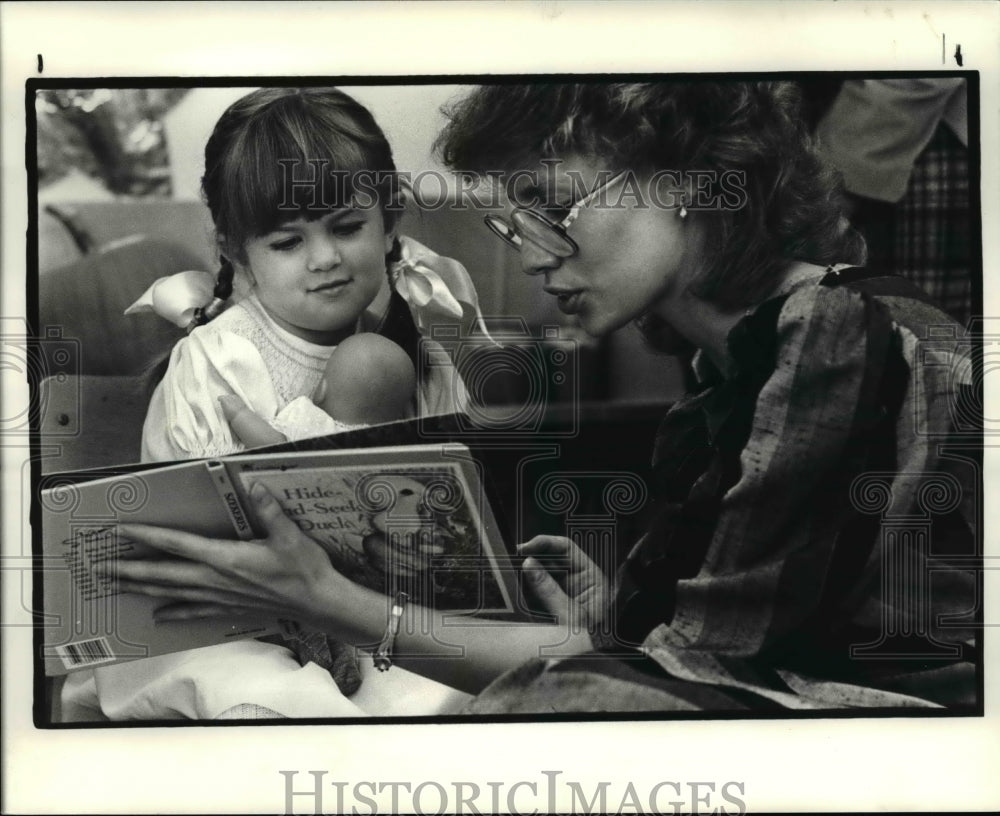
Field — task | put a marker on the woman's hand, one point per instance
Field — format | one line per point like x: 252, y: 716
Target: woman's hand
x: 284, y: 575
x: 566, y: 581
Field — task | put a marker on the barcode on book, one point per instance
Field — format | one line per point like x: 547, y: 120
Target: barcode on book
x: 85, y: 652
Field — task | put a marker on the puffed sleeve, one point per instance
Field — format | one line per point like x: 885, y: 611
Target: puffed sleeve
x: 780, y: 525
x: 185, y: 420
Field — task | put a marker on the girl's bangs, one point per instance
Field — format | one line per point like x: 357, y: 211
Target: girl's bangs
x: 292, y: 168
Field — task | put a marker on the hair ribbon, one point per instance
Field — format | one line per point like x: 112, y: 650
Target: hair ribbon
x: 178, y: 298
x: 436, y: 288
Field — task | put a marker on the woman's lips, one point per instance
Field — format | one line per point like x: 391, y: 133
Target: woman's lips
x: 568, y: 300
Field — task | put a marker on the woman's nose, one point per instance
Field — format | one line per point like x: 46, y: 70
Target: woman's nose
x: 535, y: 260
x: 324, y: 254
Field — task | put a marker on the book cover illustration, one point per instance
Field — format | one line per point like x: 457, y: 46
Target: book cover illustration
x: 392, y: 528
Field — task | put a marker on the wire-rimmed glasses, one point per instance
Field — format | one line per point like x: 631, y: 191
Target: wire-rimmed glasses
x: 539, y: 229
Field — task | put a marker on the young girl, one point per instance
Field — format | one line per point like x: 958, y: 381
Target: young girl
x: 305, y: 200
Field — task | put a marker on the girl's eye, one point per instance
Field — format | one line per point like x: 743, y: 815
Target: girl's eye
x: 348, y: 229
x: 285, y: 244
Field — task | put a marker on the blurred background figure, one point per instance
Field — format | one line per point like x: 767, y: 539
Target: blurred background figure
x: 902, y: 147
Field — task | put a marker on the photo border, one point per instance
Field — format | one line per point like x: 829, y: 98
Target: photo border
x: 714, y: 751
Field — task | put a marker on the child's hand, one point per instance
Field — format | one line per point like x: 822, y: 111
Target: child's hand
x: 250, y: 429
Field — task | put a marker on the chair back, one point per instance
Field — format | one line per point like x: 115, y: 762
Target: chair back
x: 83, y: 303
x: 90, y: 421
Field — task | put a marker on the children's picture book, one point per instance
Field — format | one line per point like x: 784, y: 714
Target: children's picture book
x: 410, y: 518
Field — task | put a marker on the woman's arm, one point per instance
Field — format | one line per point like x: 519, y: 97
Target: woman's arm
x: 288, y: 575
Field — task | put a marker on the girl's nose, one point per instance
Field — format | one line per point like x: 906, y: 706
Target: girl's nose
x: 535, y: 260
x: 324, y: 254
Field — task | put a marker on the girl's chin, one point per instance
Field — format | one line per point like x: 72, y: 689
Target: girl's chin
x: 332, y: 332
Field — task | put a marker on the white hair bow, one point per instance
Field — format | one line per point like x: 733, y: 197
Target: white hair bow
x: 178, y: 297
x: 436, y: 288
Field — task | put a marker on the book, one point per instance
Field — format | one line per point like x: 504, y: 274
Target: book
x: 412, y: 517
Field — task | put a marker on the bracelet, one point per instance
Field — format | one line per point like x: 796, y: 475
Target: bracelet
x: 383, y: 655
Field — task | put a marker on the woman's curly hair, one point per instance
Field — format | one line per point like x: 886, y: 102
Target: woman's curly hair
x: 792, y: 209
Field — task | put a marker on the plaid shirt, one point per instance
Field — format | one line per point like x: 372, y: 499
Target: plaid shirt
x: 820, y: 505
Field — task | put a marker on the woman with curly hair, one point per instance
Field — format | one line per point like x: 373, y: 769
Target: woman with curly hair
x: 787, y: 565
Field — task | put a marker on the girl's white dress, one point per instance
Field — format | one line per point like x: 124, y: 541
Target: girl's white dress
x: 244, y: 352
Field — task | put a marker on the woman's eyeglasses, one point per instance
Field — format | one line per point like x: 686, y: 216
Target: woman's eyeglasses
x: 536, y: 227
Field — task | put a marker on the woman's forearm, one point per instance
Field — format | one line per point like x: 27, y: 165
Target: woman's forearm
x: 288, y: 575
x: 461, y: 651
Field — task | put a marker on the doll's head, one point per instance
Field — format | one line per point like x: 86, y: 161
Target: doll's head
x: 369, y: 379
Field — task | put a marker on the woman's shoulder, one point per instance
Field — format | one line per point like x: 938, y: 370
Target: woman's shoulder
x: 819, y: 333
x: 847, y: 323
x: 817, y: 315
x: 904, y: 299
x: 812, y: 299
x: 859, y: 294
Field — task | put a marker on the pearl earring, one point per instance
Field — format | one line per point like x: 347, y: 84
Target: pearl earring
x: 683, y: 212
